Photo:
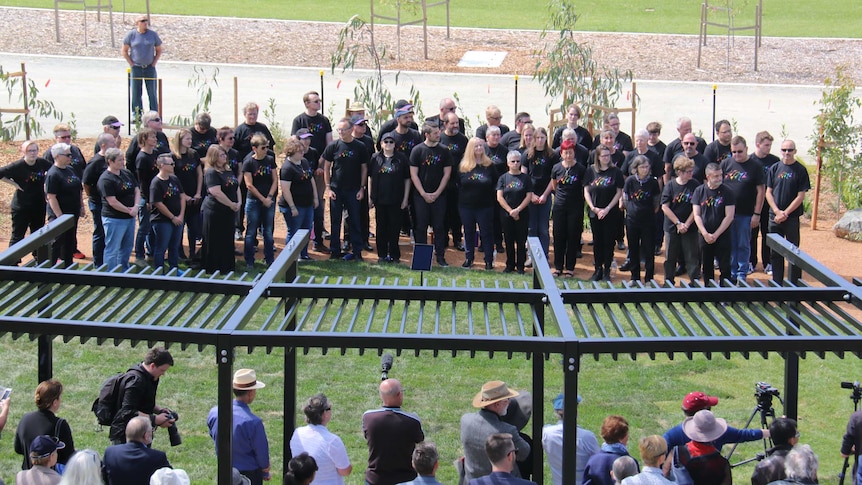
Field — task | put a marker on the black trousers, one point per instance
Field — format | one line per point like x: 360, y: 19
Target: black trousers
x: 720, y: 250
x: 388, y: 219
x: 432, y: 214
x: 568, y: 226
x: 641, y: 237
x: 515, y: 238
x: 789, y: 230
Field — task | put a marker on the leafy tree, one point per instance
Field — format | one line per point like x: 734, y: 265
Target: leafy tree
x: 840, y: 138
x: 11, y: 127
x: 566, y: 67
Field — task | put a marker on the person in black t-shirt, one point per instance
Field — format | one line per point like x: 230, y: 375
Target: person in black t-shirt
x: 121, y: 199
x: 95, y: 168
x: 313, y: 121
x: 430, y: 169
x: 719, y: 149
x: 345, y: 172
x: 453, y: 138
x: 390, y: 191
x: 476, y: 202
x: 641, y: 194
x: 567, y: 182
x: 298, y: 191
x: 63, y: 190
x: 672, y: 150
x: 242, y: 144
x: 168, y: 202
x: 188, y: 169
x: 203, y: 134
x: 744, y: 176
x: 220, y: 205
x: 514, y: 194
x: 582, y: 136
x: 145, y: 168
x: 714, y: 206
x: 786, y: 184
x: 261, y: 179
x: 762, y: 147
x: 679, y: 221
x: 27, y: 175
x: 493, y: 115
x: 537, y: 161
x: 603, y: 188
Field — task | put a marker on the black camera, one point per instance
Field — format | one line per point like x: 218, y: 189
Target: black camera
x: 856, y: 395
x: 764, y: 392
x: 173, y: 432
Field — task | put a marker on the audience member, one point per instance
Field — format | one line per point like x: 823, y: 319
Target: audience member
x: 84, y: 468
x: 301, y: 470
x: 391, y: 434
x: 326, y: 448
x: 137, y: 397
x: 699, y: 456
x: 653, y: 450
x: 501, y: 451
x: 4, y: 412
x: 170, y: 476
x: 425, y: 461
x: 43, y: 457
x: 623, y: 467
x: 851, y: 443
x: 801, y: 466
x: 784, y: 436
x: 44, y: 421
x: 615, y: 433
x: 134, y: 462
x: 552, y: 442
x: 249, y: 446
x: 698, y: 401
x: 492, y: 402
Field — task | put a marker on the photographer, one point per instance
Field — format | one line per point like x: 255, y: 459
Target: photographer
x: 852, y: 443
x: 138, y: 395
x: 697, y: 401
x: 784, y: 436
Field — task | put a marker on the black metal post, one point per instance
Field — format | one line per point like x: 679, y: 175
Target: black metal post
x: 224, y: 360
x: 46, y: 358
x: 571, y: 367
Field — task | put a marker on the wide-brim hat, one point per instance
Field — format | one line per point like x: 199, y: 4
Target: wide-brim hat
x: 170, y: 476
x: 492, y: 392
x: 246, y: 379
x: 704, y: 427
x: 356, y: 106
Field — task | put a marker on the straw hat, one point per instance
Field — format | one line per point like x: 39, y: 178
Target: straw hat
x: 492, y: 392
x: 246, y: 379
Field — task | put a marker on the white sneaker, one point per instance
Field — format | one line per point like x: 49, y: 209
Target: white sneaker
x: 528, y: 263
x: 768, y: 269
x: 750, y: 268
x: 237, y: 236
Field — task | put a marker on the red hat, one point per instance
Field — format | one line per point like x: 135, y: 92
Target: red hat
x: 695, y: 401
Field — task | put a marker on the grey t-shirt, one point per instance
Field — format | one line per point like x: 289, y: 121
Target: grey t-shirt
x: 142, y: 47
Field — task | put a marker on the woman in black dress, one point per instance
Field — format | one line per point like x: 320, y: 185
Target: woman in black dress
x: 603, y: 187
x: 27, y: 175
x: 219, y: 210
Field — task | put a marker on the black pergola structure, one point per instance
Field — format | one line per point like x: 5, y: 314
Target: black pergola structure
x: 280, y: 309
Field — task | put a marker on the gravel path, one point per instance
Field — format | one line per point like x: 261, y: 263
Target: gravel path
x: 278, y: 42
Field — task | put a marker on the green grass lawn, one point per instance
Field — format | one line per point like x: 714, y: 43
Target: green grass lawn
x: 647, y: 392
x: 792, y: 18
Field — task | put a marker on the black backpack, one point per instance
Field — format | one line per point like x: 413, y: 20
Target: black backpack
x: 105, y: 406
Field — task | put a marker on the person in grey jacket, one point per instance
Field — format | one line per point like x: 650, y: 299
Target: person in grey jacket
x: 492, y: 402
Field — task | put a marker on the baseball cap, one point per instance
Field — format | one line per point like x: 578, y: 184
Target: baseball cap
x: 558, y: 401
x: 357, y: 119
x: 695, y: 401
x: 303, y: 133
x: 44, y: 445
x: 406, y: 109
x: 401, y: 103
x: 388, y: 135
x: 111, y: 120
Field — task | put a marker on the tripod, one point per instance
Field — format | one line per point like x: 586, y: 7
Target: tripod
x: 856, y: 397
x: 764, y: 407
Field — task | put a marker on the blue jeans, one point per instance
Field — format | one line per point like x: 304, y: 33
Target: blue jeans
x: 166, y: 237
x: 303, y: 220
x: 540, y: 219
x: 142, y: 240
x: 98, y: 234
x: 258, y: 215
x: 141, y: 75
x: 740, y: 247
x: 119, y: 239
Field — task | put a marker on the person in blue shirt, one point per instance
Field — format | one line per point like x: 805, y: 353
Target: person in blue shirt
x: 250, y: 454
x: 696, y: 401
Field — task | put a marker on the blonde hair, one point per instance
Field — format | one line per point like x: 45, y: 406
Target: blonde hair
x: 470, y: 161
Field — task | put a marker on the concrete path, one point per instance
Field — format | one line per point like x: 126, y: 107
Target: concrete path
x: 92, y: 88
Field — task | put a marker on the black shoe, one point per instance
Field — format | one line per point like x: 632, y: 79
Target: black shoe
x: 459, y: 246
x: 579, y: 254
x: 508, y: 270
x: 467, y: 263
x: 480, y: 249
x: 597, y: 275
x: 521, y: 271
x: 680, y: 270
x: 335, y: 255
x: 368, y: 247
x: 489, y: 266
x: 627, y: 266
x: 321, y: 248
x: 441, y: 262
x: 500, y: 249
x: 658, y: 251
